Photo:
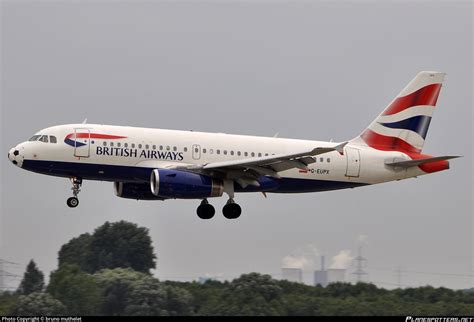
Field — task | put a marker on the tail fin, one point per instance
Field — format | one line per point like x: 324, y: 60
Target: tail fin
x: 404, y: 123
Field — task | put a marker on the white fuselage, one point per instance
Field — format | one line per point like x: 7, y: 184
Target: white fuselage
x: 132, y: 148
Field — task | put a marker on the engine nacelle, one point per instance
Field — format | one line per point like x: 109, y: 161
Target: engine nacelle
x: 176, y: 184
x: 137, y: 191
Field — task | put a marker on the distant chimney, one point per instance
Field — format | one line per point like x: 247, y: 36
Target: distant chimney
x: 322, y: 263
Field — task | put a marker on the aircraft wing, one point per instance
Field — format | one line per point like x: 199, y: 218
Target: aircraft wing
x: 246, y: 171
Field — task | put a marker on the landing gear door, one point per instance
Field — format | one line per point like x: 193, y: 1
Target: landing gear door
x: 353, y: 162
x: 82, y: 142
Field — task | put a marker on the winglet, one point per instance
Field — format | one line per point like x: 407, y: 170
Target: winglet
x: 340, y: 148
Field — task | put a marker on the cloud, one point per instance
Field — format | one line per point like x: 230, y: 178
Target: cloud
x: 362, y: 239
x: 342, y: 260
x: 303, y: 258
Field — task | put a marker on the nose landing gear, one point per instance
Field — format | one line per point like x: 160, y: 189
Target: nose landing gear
x: 73, y: 202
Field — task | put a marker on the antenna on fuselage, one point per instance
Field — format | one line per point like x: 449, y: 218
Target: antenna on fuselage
x: 85, y: 121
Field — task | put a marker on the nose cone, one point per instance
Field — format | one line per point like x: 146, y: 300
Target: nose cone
x: 10, y: 154
x: 15, y: 157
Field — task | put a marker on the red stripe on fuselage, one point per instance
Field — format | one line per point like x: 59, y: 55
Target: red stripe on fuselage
x: 94, y: 136
x: 427, y: 95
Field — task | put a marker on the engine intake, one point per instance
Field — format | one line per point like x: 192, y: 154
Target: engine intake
x: 176, y: 184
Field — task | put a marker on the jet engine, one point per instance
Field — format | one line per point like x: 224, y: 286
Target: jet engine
x: 138, y: 191
x: 176, y: 184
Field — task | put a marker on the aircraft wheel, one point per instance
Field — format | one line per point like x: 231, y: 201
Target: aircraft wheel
x: 232, y: 211
x: 205, y: 211
x: 72, y: 202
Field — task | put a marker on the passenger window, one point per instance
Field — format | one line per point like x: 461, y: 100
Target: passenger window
x: 52, y: 139
x: 238, y: 153
x: 161, y: 147
x: 246, y: 153
x: 225, y: 152
x: 196, y: 150
x: 328, y: 160
x: 119, y: 144
x: 231, y: 152
x: 139, y: 146
x: 252, y: 154
x: 111, y: 143
x: 125, y: 145
x: 147, y: 146
x: 211, y: 151
x: 204, y: 150
x: 259, y: 154
x: 154, y: 147
x: 133, y: 145
x: 186, y: 150
x: 104, y: 143
x: 321, y: 159
x: 266, y: 154
x: 168, y: 148
x: 218, y: 151
x: 44, y: 139
x: 175, y: 148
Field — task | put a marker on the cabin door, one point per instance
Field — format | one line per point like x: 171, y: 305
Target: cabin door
x: 82, y: 142
x: 353, y: 162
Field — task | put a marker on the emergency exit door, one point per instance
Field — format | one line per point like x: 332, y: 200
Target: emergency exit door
x: 196, y: 151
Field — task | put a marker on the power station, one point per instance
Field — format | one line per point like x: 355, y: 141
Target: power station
x: 331, y: 275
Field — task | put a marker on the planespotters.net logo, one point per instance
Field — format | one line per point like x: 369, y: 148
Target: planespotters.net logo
x: 438, y: 319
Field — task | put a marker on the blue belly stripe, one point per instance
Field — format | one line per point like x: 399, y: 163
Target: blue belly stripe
x: 106, y: 172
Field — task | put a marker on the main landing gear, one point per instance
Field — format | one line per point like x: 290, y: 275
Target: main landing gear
x: 205, y: 210
x: 231, y: 210
x: 73, y: 202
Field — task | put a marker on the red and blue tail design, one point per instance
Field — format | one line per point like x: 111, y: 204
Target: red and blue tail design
x: 404, y: 123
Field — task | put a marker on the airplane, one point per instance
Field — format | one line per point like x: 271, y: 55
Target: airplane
x: 158, y: 164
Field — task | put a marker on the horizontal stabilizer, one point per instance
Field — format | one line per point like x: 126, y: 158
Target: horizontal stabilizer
x: 413, y: 163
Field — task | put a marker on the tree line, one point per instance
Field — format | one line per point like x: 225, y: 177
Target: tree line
x: 108, y: 273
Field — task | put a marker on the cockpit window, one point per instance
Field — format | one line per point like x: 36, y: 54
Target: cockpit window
x: 34, y: 138
x: 44, y: 139
x: 52, y: 139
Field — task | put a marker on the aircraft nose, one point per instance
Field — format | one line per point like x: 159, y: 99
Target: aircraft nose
x: 14, y: 156
x: 10, y: 154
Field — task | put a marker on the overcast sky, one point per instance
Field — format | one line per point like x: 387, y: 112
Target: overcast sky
x: 305, y: 69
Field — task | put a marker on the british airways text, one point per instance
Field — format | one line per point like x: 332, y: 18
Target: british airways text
x: 135, y: 153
